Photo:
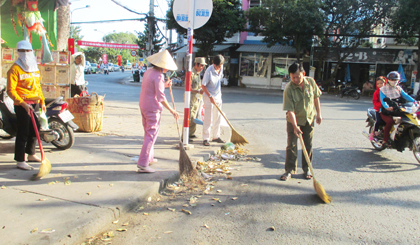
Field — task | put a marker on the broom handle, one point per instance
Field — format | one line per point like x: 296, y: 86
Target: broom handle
x: 173, y: 104
x: 37, y: 135
x: 223, y: 114
x: 305, y: 153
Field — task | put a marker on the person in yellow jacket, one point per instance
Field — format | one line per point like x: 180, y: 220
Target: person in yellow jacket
x: 24, y: 88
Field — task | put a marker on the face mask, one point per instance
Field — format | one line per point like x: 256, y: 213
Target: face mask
x: 392, y: 83
x: 27, y: 61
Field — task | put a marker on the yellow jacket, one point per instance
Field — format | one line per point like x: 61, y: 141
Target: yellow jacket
x: 24, y: 86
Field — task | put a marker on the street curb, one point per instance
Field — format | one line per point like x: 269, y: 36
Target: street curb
x: 102, y: 217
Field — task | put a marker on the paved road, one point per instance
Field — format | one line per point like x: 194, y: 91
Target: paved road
x: 376, y: 195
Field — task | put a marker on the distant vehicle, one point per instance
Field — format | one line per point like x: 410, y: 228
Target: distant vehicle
x: 110, y: 67
x: 116, y: 67
x: 94, y: 68
x: 88, y: 68
x: 106, y: 70
x: 128, y: 66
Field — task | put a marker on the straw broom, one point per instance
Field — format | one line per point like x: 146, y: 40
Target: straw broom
x: 45, y: 167
x: 318, y: 187
x: 235, y: 138
x: 185, y: 165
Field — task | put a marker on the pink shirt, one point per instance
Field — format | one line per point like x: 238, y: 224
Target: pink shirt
x: 152, y: 90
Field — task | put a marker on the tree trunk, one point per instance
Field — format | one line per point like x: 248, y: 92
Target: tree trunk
x: 63, y: 27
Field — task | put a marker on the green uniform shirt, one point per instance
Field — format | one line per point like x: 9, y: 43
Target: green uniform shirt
x: 301, y: 101
x: 195, y: 80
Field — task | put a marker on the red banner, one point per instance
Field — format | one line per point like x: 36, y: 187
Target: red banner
x: 104, y: 59
x: 119, y: 60
x: 107, y: 45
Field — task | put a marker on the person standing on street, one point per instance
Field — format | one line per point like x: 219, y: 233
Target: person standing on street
x: 196, y: 93
x: 24, y: 88
x: 77, y: 73
x: 211, y: 86
x: 301, y: 101
x: 152, y: 101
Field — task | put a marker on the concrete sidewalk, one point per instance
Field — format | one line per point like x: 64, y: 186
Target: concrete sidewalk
x: 101, y: 177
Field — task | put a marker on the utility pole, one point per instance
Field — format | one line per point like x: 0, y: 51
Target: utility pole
x: 151, y: 25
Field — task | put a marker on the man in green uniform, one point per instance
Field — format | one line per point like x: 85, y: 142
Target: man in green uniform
x: 196, y: 93
x: 301, y: 101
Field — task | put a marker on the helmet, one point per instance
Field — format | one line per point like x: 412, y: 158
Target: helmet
x: 393, y: 75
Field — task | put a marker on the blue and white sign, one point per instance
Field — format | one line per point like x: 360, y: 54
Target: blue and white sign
x: 202, y: 12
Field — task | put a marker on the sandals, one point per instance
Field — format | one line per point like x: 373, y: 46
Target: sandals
x: 308, y: 175
x: 206, y: 143
x: 218, y: 140
x: 286, y: 176
x: 147, y: 169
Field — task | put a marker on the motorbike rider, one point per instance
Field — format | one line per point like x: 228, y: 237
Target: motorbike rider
x: 392, y: 91
x: 376, y: 100
x: 24, y: 88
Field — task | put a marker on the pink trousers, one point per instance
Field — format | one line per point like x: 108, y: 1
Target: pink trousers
x: 151, y: 123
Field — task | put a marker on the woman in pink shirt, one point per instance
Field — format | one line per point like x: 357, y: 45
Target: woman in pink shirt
x: 152, y: 101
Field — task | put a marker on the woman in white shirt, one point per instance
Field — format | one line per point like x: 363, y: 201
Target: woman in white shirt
x: 77, y: 73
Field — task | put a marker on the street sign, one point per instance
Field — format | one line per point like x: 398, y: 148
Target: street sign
x: 133, y: 53
x: 201, y: 14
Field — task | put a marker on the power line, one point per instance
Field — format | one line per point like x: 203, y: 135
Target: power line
x: 106, y: 21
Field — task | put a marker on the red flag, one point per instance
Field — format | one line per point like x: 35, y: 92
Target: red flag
x: 119, y: 60
x: 71, y: 47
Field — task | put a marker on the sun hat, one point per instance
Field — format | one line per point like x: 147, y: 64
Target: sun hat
x: 163, y: 60
x: 24, y: 45
x: 200, y: 60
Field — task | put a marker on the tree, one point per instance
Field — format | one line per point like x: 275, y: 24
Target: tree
x: 75, y: 34
x: 405, y: 22
x: 226, y: 20
x: 287, y: 22
x: 142, y: 40
x: 63, y: 26
x: 349, y: 17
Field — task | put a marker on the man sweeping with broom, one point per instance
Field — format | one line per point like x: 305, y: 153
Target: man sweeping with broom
x: 301, y: 101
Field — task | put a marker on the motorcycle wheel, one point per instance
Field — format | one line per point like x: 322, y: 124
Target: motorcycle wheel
x: 416, y: 142
x: 355, y: 95
x: 375, y: 144
x: 66, y: 133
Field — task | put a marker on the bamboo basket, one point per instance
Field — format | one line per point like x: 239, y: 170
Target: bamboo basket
x: 87, y: 111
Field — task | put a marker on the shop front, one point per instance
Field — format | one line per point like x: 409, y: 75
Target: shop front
x: 263, y: 67
x: 366, y: 64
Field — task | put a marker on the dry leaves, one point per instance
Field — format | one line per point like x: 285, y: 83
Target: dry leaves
x: 89, y: 193
x: 121, y: 229
x: 34, y: 230
x: 186, y: 211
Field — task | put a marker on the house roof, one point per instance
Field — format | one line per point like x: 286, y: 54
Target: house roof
x: 276, y: 49
x: 216, y: 48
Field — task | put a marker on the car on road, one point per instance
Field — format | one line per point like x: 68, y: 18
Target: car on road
x: 88, y: 68
x: 128, y: 66
x: 94, y: 68
x: 116, y: 67
x: 111, y: 67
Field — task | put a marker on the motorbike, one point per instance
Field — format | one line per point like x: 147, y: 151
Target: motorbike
x: 61, y: 127
x: 405, y: 133
x: 352, y: 91
x: 122, y: 68
x: 106, y: 70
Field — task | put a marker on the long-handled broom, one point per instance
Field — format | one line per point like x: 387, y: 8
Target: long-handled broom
x: 318, y: 187
x: 45, y: 167
x: 235, y: 138
x: 185, y: 165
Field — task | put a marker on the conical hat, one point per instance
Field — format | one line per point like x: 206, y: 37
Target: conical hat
x: 163, y: 60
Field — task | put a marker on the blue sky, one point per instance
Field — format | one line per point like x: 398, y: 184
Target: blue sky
x: 108, y: 10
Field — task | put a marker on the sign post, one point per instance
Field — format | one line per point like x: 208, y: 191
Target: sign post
x: 195, y: 16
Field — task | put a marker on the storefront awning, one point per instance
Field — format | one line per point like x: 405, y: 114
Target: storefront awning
x: 184, y: 50
x: 276, y: 49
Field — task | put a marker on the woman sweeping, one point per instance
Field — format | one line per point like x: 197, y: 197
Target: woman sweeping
x: 152, y: 101
x: 24, y: 88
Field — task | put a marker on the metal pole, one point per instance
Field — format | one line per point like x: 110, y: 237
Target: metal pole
x: 187, y: 95
x: 150, y: 22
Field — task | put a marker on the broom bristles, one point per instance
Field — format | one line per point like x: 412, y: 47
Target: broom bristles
x: 320, y: 191
x: 185, y: 165
x: 237, y: 139
x: 44, y: 169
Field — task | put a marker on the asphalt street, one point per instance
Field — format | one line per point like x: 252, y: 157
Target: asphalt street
x: 376, y: 195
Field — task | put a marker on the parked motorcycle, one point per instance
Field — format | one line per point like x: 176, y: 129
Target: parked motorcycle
x: 61, y: 126
x: 405, y: 133
x: 352, y: 91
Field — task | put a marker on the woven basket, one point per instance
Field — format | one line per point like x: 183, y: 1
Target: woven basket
x: 88, y: 112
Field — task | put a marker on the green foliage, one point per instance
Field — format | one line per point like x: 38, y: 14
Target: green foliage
x: 287, y: 22
x: 227, y: 19
x: 75, y: 33
x: 405, y: 21
x: 142, y: 39
x: 94, y: 53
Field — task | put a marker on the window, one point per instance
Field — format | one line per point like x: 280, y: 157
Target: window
x: 281, y: 63
x: 254, y: 65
